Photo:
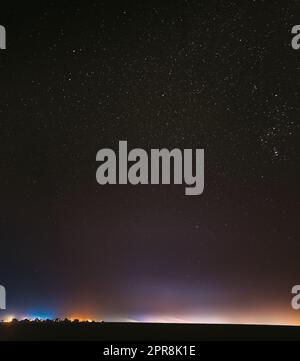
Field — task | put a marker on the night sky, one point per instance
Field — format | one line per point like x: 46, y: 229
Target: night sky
x: 218, y: 75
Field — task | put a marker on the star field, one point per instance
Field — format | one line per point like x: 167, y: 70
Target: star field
x: 217, y: 75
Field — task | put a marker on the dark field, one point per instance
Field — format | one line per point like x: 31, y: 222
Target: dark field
x: 143, y: 332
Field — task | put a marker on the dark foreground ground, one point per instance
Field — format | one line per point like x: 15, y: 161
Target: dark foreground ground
x: 143, y: 332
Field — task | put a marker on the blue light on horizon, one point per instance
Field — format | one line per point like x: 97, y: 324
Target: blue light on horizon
x: 41, y: 316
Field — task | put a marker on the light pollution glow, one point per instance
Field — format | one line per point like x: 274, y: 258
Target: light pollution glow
x: 268, y: 317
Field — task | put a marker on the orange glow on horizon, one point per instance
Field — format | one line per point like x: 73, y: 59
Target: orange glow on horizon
x: 8, y: 319
x: 82, y: 317
x: 267, y: 316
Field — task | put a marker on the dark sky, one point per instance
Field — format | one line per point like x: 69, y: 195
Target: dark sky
x: 218, y: 75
